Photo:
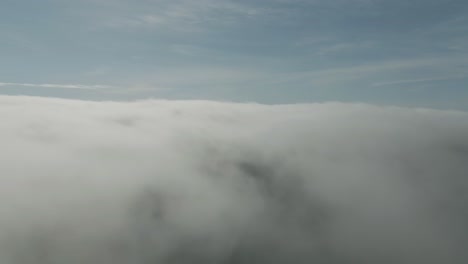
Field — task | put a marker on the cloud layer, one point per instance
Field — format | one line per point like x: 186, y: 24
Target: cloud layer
x: 209, y: 182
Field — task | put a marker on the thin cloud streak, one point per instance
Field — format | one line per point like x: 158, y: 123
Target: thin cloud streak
x: 60, y: 86
x: 422, y: 80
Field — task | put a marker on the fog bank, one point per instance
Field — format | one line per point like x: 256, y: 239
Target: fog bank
x: 178, y: 182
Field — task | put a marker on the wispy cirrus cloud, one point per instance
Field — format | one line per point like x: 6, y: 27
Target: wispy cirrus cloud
x: 59, y: 86
x: 265, y: 51
x: 176, y: 16
x: 420, y: 80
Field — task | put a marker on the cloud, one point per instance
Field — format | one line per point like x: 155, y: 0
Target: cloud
x: 178, y: 15
x: 377, y: 73
x: 60, y: 86
x: 423, y: 80
x: 207, y: 182
x: 343, y: 48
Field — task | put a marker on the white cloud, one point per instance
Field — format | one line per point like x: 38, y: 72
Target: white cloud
x: 386, y: 71
x: 209, y: 182
x: 190, y: 78
x: 343, y: 48
x: 60, y: 86
x: 175, y: 16
x: 421, y: 80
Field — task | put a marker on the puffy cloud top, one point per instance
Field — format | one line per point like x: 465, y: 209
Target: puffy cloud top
x: 210, y: 182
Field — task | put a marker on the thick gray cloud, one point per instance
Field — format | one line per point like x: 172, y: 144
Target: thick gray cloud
x: 210, y: 182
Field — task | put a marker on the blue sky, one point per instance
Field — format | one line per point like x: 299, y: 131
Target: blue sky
x: 400, y: 52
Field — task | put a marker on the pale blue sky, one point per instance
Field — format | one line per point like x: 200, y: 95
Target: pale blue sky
x: 397, y: 52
